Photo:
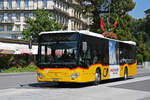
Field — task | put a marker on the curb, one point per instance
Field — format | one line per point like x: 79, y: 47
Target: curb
x: 16, y: 73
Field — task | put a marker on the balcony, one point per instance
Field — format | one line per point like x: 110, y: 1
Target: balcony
x: 7, y: 21
x: 75, y: 2
x: 30, y: 8
x: 71, y: 2
x: 10, y: 32
x: 16, y: 9
x: 60, y: 10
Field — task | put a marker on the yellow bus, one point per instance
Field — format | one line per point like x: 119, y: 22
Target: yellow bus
x: 83, y: 56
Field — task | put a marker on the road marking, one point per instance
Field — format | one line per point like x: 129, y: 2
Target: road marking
x: 137, y: 79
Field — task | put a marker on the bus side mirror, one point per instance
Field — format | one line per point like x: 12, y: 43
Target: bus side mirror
x: 30, y: 44
x: 84, y: 47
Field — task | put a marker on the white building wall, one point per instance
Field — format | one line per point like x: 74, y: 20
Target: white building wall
x: 69, y: 25
x: 35, y: 4
x: 50, y: 4
x: 5, y: 3
x: 63, y: 17
x: 13, y: 4
x: 22, y: 6
x: 5, y: 16
x: 22, y: 21
x: 31, y: 4
x: 40, y: 4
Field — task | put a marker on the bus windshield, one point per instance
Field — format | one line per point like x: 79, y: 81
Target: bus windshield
x: 62, y: 52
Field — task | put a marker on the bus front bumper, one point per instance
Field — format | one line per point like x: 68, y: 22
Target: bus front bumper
x: 61, y: 75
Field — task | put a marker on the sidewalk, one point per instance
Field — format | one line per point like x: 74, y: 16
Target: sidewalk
x: 142, y: 70
x: 17, y: 73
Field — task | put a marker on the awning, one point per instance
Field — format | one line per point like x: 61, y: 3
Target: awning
x: 7, y: 51
x: 18, y: 48
x: 25, y: 51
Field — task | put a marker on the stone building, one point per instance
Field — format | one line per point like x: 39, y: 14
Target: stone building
x: 13, y: 14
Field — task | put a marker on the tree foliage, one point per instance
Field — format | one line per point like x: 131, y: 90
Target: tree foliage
x: 141, y: 33
x: 118, y: 10
x: 43, y: 21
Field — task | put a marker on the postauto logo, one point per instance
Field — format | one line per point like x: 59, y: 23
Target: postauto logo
x: 114, y: 70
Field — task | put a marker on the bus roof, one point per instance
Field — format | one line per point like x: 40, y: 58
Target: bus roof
x: 86, y: 32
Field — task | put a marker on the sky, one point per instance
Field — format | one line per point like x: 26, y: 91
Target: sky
x: 141, y: 6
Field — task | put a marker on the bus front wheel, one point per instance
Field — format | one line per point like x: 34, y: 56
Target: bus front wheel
x: 97, y: 77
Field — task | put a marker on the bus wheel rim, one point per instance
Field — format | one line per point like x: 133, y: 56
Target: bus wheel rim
x: 97, y: 77
x: 125, y: 74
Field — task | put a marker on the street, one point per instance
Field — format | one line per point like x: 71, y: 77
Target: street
x: 23, y: 86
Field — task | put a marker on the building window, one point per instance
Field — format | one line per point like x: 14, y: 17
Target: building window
x: 10, y: 3
x: 17, y: 28
x: 26, y: 15
x: 1, y: 4
x: 45, y: 3
x: 18, y: 3
x: 57, y: 4
x: 1, y: 16
x: 31, y: 15
x: 26, y: 3
x: 26, y: 26
x: 1, y: 28
x: 9, y: 16
x: 18, y: 17
x: 61, y: 5
x: 54, y: 2
x: 9, y: 28
x: 14, y: 36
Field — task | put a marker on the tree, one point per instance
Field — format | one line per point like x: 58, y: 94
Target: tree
x: 43, y: 21
x: 93, y: 7
x: 123, y: 27
x: 141, y: 33
x: 118, y: 9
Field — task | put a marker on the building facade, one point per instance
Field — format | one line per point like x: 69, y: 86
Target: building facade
x: 13, y: 14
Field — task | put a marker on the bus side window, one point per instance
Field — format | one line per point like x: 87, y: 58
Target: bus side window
x: 94, y: 56
x: 88, y: 57
x: 85, y: 58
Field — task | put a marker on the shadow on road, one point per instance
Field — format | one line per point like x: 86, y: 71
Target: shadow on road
x: 56, y: 85
x: 67, y: 85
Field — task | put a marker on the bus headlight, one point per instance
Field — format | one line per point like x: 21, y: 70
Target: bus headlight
x: 75, y: 75
x: 39, y: 75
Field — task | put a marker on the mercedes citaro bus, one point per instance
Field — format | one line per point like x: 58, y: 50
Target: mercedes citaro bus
x: 83, y: 56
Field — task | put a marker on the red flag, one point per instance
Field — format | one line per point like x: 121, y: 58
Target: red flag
x: 115, y: 23
x: 102, y: 24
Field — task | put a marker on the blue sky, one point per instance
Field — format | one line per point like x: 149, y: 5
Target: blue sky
x: 141, y: 6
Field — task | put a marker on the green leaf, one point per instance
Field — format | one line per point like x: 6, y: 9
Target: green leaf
x: 43, y: 21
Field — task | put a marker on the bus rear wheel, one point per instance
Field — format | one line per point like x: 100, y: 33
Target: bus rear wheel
x: 97, y: 77
x: 126, y: 74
